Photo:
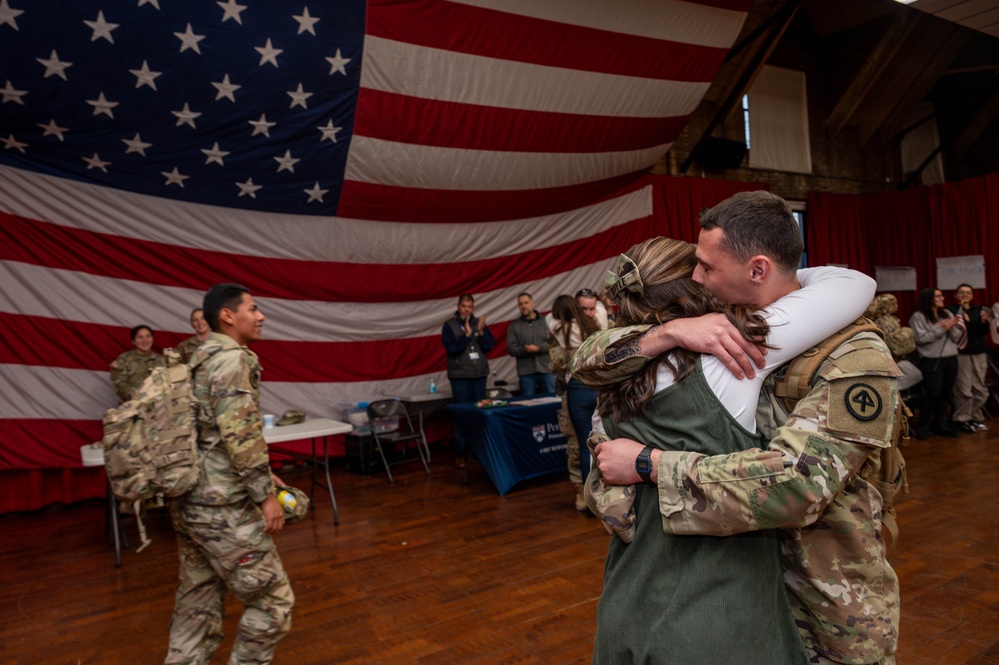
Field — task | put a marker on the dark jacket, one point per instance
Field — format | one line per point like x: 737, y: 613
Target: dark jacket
x: 977, y: 331
x: 460, y: 349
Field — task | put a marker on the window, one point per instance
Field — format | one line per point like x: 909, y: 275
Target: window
x: 779, y: 121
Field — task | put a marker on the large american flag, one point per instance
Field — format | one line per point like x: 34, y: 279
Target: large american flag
x: 357, y: 165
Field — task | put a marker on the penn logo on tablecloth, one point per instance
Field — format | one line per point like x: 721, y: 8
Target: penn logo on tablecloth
x: 539, y: 433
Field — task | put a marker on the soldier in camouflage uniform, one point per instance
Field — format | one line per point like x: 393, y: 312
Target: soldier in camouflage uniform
x: 224, y: 524
x: 844, y: 595
x: 558, y: 365
x: 201, y: 332
x: 131, y: 368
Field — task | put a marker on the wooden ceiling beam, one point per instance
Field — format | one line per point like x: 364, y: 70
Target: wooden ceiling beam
x: 852, y: 98
x: 905, y: 87
x: 981, y: 122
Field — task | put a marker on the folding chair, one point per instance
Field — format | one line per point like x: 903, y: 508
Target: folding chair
x: 394, y: 408
x: 92, y: 454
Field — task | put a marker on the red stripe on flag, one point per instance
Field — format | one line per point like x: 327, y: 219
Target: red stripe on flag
x: 392, y: 117
x: 363, y: 200
x: 45, y: 244
x: 91, y: 346
x: 496, y: 34
x: 41, y: 443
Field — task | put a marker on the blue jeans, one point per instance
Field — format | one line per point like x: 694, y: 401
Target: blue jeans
x: 536, y: 384
x: 581, y: 400
x: 465, y: 390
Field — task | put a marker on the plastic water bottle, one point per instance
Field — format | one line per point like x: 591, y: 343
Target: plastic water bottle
x: 433, y: 385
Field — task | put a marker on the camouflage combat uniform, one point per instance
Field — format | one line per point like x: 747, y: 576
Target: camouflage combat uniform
x: 220, y: 529
x: 186, y: 348
x: 844, y: 594
x: 130, y: 369
x: 557, y: 362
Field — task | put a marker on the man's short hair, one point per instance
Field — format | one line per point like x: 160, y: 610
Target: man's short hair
x: 525, y: 293
x: 219, y: 297
x: 969, y: 286
x: 196, y: 310
x: 466, y: 296
x: 757, y: 223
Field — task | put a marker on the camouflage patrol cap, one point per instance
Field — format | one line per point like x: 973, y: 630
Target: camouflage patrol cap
x: 294, y: 501
x: 292, y: 416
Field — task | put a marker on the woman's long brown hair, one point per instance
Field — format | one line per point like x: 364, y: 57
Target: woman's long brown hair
x: 666, y: 266
x: 566, y: 310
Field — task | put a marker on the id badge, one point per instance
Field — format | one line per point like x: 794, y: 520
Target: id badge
x: 473, y: 355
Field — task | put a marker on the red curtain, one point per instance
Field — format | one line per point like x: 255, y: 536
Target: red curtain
x: 909, y: 228
x: 677, y: 202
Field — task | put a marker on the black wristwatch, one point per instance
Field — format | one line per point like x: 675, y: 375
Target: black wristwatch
x: 643, y: 464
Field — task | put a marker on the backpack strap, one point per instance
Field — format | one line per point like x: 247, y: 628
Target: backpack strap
x: 796, y: 381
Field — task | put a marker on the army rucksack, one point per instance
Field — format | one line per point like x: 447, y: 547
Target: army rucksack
x: 796, y: 381
x: 151, y: 441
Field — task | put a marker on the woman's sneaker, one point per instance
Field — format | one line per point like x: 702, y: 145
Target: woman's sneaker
x: 979, y: 427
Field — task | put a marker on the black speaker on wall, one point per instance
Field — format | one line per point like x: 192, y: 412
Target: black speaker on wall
x: 715, y: 153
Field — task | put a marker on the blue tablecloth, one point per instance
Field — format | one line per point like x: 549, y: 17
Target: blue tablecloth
x: 514, y: 442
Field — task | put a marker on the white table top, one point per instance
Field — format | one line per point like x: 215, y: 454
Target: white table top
x: 422, y: 396
x: 310, y: 429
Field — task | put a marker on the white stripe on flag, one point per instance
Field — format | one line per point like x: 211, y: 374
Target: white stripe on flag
x: 673, y: 20
x: 59, y: 201
x: 430, y: 73
x: 74, y: 296
x: 430, y: 167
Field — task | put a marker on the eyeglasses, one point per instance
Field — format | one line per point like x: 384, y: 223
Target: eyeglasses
x: 586, y: 293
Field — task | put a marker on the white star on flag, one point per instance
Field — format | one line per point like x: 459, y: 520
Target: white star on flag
x: 315, y: 194
x: 11, y: 143
x: 12, y: 95
x: 101, y: 28
x: 298, y: 97
x: 248, y: 188
x: 186, y: 116
x: 226, y: 89
x: 287, y: 163
x: 189, y: 40
x: 261, y: 126
x: 54, y: 66
x: 231, y: 10
x: 136, y: 144
x: 329, y: 132
x: 174, y: 177
x: 96, y: 162
x: 8, y: 15
x: 145, y: 76
x: 338, y: 63
x: 154, y: 3
x: 268, y: 53
x: 306, y: 23
x: 215, y: 155
x: 52, y: 129
x: 102, y: 105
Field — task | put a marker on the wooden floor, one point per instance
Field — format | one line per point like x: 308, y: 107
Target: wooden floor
x: 435, y: 572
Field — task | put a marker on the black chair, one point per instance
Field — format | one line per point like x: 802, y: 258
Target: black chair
x: 386, y: 408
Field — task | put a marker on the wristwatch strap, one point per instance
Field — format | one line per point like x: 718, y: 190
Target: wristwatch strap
x: 643, y: 465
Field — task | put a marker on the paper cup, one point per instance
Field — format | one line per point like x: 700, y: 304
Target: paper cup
x: 269, y: 420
